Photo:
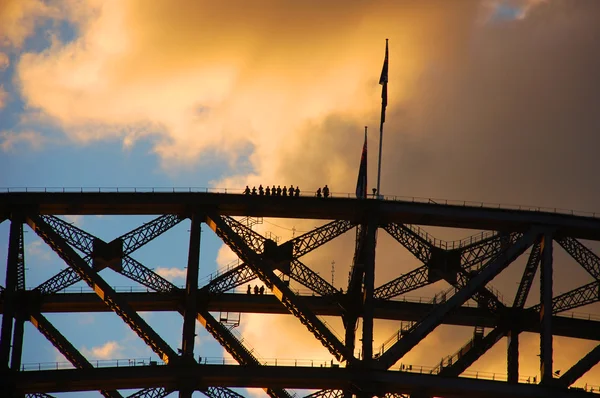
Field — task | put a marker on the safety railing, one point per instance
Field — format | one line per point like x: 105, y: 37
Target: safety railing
x: 217, y: 190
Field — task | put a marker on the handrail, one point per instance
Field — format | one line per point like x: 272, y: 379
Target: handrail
x: 320, y: 363
x: 217, y: 190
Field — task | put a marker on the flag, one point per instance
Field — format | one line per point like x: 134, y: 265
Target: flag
x: 383, y: 80
x: 361, y: 183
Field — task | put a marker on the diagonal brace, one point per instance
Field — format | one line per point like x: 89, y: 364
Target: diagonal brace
x: 102, y: 289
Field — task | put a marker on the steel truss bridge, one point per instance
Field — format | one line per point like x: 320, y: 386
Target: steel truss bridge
x: 467, y: 266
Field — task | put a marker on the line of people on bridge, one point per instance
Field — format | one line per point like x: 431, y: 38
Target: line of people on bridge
x: 285, y: 191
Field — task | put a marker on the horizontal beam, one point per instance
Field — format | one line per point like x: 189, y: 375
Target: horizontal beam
x: 353, y: 210
x: 276, y: 377
x: 268, y: 304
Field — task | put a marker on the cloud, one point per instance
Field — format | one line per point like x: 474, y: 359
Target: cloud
x: 171, y: 273
x: 3, y: 96
x: 4, y: 61
x: 109, y: 350
x: 38, y: 249
x: 76, y: 220
x: 19, y: 18
x: 9, y: 140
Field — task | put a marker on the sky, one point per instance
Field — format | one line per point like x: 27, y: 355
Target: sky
x: 492, y: 101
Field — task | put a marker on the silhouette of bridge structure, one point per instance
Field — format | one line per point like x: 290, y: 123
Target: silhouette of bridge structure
x: 467, y: 266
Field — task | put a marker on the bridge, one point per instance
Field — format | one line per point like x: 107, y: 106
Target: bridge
x: 466, y: 266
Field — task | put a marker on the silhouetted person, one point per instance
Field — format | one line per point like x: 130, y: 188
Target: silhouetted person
x: 273, y: 191
x: 253, y: 190
x: 278, y: 190
x: 255, y: 289
x: 291, y: 191
x: 284, y: 191
x: 261, y: 191
x: 268, y: 191
x: 247, y: 190
x: 325, y: 192
x: 249, y: 290
x: 319, y: 193
x: 262, y: 290
x: 297, y: 191
x: 374, y: 192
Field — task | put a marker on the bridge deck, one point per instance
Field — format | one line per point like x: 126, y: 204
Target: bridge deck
x: 155, y: 203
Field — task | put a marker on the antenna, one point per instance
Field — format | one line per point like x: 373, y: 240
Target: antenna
x: 332, y: 272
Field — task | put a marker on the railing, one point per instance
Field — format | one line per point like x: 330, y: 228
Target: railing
x: 396, y: 198
x: 453, y: 244
x: 314, y: 363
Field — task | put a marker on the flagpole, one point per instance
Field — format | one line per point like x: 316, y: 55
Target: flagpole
x: 383, y: 80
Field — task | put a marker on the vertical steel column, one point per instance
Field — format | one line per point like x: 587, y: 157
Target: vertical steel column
x: 512, y: 356
x: 191, y: 296
x: 546, y: 310
x: 369, y: 287
x: 9, y: 292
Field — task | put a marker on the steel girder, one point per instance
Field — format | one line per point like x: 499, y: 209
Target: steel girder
x: 66, y: 348
x: 84, y: 242
x: 584, y: 256
x: 221, y: 392
x: 263, y: 268
x: 326, y: 394
x: 590, y: 360
x: 281, y: 377
x: 85, y: 272
x: 15, y: 265
x: 419, y: 330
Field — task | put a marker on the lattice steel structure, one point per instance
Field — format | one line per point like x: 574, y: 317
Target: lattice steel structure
x: 467, y: 266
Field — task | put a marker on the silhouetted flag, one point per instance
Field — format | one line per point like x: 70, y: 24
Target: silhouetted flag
x: 361, y: 183
x: 383, y: 80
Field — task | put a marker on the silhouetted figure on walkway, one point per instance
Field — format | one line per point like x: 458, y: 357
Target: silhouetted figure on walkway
x: 247, y: 190
x: 284, y: 191
x: 262, y: 290
x: 268, y: 191
x: 255, y: 289
x: 297, y: 191
x: 249, y: 291
x: 291, y: 191
x: 261, y: 191
x: 273, y: 191
x: 319, y: 193
x: 253, y: 190
x: 326, y: 191
x: 278, y: 190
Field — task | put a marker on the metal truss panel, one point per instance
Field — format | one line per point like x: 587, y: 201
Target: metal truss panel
x: 419, y: 330
x: 66, y: 348
x: 134, y: 270
x: 528, y: 275
x: 221, y: 392
x: 311, y: 240
x: 222, y: 228
x: 84, y: 242
x: 584, y: 256
x: 120, y: 307
x: 231, y: 279
x: 411, y: 240
x: 583, y: 295
x: 309, y: 278
x: 158, y: 392
x: 326, y: 394
x: 412, y: 280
